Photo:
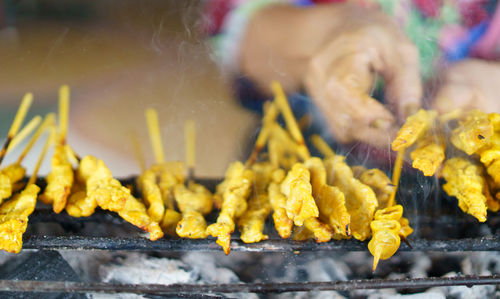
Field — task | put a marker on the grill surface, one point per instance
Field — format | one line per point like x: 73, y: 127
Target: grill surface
x: 446, y: 233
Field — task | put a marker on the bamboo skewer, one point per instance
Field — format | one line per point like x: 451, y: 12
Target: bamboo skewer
x: 190, y: 140
x: 154, y: 134
x: 398, y: 166
x: 139, y: 155
x: 63, y: 112
x: 25, y: 131
x: 321, y: 145
x: 48, y: 141
x: 270, y: 115
x: 291, y: 122
x: 16, y: 124
x: 47, y: 122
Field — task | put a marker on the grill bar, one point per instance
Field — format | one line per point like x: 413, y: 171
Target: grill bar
x: 99, y: 287
x: 490, y: 243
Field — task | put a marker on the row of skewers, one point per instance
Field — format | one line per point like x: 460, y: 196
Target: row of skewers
x: 308, y: 197
x: 463, y: 147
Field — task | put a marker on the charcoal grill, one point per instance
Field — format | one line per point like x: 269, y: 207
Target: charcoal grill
x: 72, y: 239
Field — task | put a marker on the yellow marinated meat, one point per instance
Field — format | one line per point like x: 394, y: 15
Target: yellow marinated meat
x: 5, y: 187
x: 490, y: 157
x: 79, y: 204
x: 301, y: 233
x: 473, y: 132
x: 251, y: 223
x: 170, y: 221
x: 385, y: 239
x: 320, y: 231
x: 376, y: 179
x: 300, y: 204
x: 193, y: 201
x: 413, y: 129
x: 134, y: 212
x: 332, y: 210
x: 169, y: 174
x: 59, y: 180
x: 101, y: 186
x: 361, y: 201
x: 388, y: 228
x: 282, y: 223
x: 151, y: 194
x: 9, y: 177
x: 406, y: 230
x: 318, y: 174
x: 192, y: 225
x: 429, y: 154
x: 465, y: 181
x: 14, y: 218
x: 492, y: 203
x: 238, y: 188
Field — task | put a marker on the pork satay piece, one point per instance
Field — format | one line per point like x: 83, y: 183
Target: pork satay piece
x: 385, y: 240
x: 193, y: 201
x: 79, y: 204
x: 300, y: 204
x: 321, y: 232
x: 429, y: 154
x: 107, y: 192
x: 333, y: 211
x: 465, y: 181
x: 15, y: 212
x: 169, y: 174
x: 301, y: 233
x: 413, y: 129
x: 282, y: 223
x: 361, y: 201
x: 378, y: 181
x: 170, y: 221
x: 59, y: 180
x: 238, y: 188
x: 318, y: 174
x: 14, y: 218
x: 492, y: 202
x: 61, y: 176
x: 134, y: 212
x: 473, y: 132
x: 9, y: 176
x: 251, y: 223
x: 151, y: 194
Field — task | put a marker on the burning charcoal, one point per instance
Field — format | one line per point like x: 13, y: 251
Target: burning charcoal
x: 39, y: 266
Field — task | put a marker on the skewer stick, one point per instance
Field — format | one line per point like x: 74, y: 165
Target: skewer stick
x: 323, y: 147
x: 139, y: 156
x: 190, y: 136
x: 25, y: 131
x: 16, y: 124
x: 154, y: 134
x: 398, y: 166
x: 63, y: 112
x: 48, y: 121
x: 49, y: 140
x: 270, y: 115
x: 291, y: 122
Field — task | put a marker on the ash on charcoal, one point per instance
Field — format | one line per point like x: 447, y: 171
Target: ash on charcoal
x: 140, y: 269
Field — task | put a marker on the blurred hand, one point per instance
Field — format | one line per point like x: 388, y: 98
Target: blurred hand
x: 336, y: 52
x: 470, y: 84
